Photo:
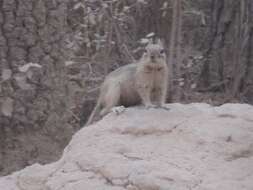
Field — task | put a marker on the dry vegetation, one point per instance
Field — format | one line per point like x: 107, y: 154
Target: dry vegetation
x: 200, y: 37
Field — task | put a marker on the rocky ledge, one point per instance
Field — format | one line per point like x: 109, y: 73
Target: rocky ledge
x: 188, y: 147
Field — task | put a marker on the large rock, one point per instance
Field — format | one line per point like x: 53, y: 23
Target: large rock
x: 193, y: 146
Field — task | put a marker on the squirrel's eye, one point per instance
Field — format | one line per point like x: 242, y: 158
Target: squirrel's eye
x: 162, y: 51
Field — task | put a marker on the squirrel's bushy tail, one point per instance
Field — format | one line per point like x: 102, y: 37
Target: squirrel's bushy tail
x: 93, y: 113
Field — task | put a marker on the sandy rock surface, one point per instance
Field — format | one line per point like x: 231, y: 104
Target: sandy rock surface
x: 189, y: 147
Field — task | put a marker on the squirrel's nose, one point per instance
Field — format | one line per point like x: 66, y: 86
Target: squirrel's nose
x: 152, y: 57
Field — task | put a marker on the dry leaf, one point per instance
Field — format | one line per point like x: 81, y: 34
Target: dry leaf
x: 7, y: 107
x: 26, y: 67
x: 6, y: 74
x: 21, y: 81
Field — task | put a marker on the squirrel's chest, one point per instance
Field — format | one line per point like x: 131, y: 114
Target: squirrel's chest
x: 153, y: 69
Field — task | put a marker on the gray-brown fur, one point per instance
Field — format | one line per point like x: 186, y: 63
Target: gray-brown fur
x: 142, y: 82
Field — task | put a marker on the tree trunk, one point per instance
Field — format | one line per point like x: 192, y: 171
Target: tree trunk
x: 229, y: 56
x: 33, y: 100
x: 178, y: 62
x: 175, y: 59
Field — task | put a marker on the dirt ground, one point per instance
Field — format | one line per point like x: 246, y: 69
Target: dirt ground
x: 27, y: 148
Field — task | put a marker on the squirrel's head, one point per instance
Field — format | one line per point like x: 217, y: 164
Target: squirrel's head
x: 154, y: 52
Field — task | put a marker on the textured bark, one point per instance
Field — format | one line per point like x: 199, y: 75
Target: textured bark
x: 175, y: 59
x: 178, y: 62
x: 171, y: 59
x: 229, y: 56
x: 33, y: 103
